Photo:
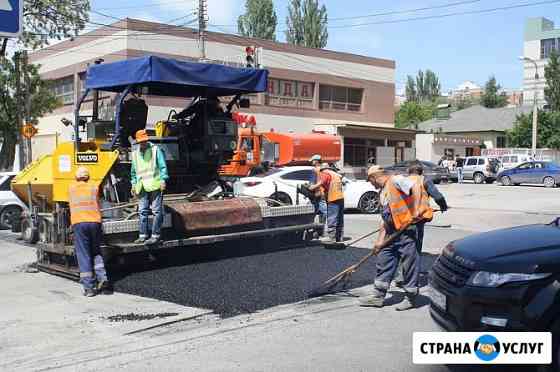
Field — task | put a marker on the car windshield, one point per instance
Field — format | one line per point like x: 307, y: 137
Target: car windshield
x: 269, y: 172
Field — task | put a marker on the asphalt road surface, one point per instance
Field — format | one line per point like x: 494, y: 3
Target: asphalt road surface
x: 261, y: 316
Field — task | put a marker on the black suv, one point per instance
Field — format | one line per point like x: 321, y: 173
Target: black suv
x: 503, y: 280
x: 431, y: 170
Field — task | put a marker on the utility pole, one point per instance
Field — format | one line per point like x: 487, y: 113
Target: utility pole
x: 202, y: 24
x: 535, y: 105
x: 19, y: 119
x: 27, y: 97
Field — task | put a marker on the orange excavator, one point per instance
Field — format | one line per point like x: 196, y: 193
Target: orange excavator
x: 257, y: 150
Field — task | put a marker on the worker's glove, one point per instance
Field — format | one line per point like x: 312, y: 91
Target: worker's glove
x: 163, y: 186
x: 442, y: 205
x: 377, y: 248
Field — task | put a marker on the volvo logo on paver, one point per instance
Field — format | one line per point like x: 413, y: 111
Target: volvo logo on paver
x: 87, y: 158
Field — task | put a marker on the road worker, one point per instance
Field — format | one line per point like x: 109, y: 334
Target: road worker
x: 85, y: 217
x: 426, y: 190
x: 398, y: 214
x: 320, y: 203
x: 331, y: 184
x: 148, y: 177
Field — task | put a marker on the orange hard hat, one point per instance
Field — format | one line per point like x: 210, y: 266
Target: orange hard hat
x: 142, y: 136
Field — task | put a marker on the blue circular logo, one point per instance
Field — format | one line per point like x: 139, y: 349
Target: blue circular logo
x: 487, y: 348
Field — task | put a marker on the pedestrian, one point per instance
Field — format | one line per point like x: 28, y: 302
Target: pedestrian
x: 148, y: 178
x: 331, y: 184
x: 426, y: 190
x: 398, y: 214
x: 459, y: 162
x: 319, y: 203
x: 85, y: 217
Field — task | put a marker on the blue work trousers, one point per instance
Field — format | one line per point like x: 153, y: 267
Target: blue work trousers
x: 335, y: 219
x: 87, y: 243
x: 151, y: 203
x: 321, y: 209
x: 420, y: 236
x: 403, y: 250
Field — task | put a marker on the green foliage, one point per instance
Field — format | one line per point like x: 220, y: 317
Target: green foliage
x: 411, y: 113
x: 259, y: 20
x: 548, y: 135
x: 52, y: 19
x: 307, y: 24
x: 425, y: 88
x: 552, y: 76
x: 490, y: 98
x: 42, y: 101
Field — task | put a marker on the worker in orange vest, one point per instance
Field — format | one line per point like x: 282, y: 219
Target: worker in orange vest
x: 320, y: 202
x: 397, y: 199
x: 85, y: 216
x: 331, y: 184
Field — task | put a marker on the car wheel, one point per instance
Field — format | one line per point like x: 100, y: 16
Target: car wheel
x: 478, y: 178
x: 29, y: 234
x: 282, y: 197
x: 8, y: 216
x: 369, y: 202
x: 549, y: 182
x: 506, y: 181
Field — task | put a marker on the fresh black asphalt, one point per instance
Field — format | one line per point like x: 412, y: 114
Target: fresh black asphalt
x: 233, y: 279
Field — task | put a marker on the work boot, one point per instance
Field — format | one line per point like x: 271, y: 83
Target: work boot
x: 372, y: 301
x: 325, y: 239
x: 140, y: 240
x: 89, y: 292
x: 408, y: 303
x: 153, y: 240
x: 105, y: 288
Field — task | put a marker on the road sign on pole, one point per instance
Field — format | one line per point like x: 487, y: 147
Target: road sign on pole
x: 11, y: 16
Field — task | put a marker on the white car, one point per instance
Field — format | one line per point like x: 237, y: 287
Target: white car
x: 10, y: 205
x: 281, y: 184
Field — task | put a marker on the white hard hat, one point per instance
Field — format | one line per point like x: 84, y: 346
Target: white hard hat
x: 315, y: 157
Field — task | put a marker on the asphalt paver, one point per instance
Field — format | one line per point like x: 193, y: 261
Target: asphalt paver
x: 233, y: 279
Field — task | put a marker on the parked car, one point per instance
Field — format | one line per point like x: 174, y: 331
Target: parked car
x: 10, y: 205
x: 281, y: 184
x: 431, y: 170
x: 546, y: 173
x: 512, y: 161
x: 480, y: 169
x: 503, y: 280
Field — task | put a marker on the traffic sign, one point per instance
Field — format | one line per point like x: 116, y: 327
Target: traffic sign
x: 28, y: 130
x: 11, y: 16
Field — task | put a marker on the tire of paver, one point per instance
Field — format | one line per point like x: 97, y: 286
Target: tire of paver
x: 478, y: 178
x: 549, y: 182
x: 28, y: 233
x: 506, y: 181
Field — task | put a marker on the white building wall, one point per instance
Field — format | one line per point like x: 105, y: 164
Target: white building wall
x: 424, y: 146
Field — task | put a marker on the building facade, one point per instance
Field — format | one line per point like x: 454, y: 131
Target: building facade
x: 307, y: 89
x: 540, y: 39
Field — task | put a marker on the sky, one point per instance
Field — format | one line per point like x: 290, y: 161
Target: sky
x: 458, y: 48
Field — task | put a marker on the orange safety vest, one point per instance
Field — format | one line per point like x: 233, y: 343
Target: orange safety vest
x: 319, y: 191
x: 400, y: 204
x: 426, y: 211
x: 334, y: 192
x: 84, y: 203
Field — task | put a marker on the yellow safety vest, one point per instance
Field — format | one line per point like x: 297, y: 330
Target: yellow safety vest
x: 147, y: 170
x: 84, y: 203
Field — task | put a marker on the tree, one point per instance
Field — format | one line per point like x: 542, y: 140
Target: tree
x: 307, y: 24
x: 552, y: 76
x: 45, y: 20
x: 42, y: 101
x: 411, y: 113
x: 259, y: 20
x: 425, y: 88
x: 548, y: 134
x: 491, y: 98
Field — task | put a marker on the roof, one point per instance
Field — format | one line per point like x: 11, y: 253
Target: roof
x: 171, y: 77
x: 476, y: 119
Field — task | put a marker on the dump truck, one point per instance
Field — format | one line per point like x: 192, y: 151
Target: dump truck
x: 259, y: 150
x: 196, y: 142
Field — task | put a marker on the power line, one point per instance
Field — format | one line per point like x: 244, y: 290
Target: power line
x: 480, y: 11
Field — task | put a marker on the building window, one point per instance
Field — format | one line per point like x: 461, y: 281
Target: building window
x: 547, y: 45
x: 290, y: 93
x: 340, y: 98
x: 501, y: 142
x: 64, y: 90
x: 355, y: 152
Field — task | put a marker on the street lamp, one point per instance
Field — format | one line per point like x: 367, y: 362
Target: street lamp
x: 535, y: 108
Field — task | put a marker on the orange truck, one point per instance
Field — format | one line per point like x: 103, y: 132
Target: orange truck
x: 256, y: 149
